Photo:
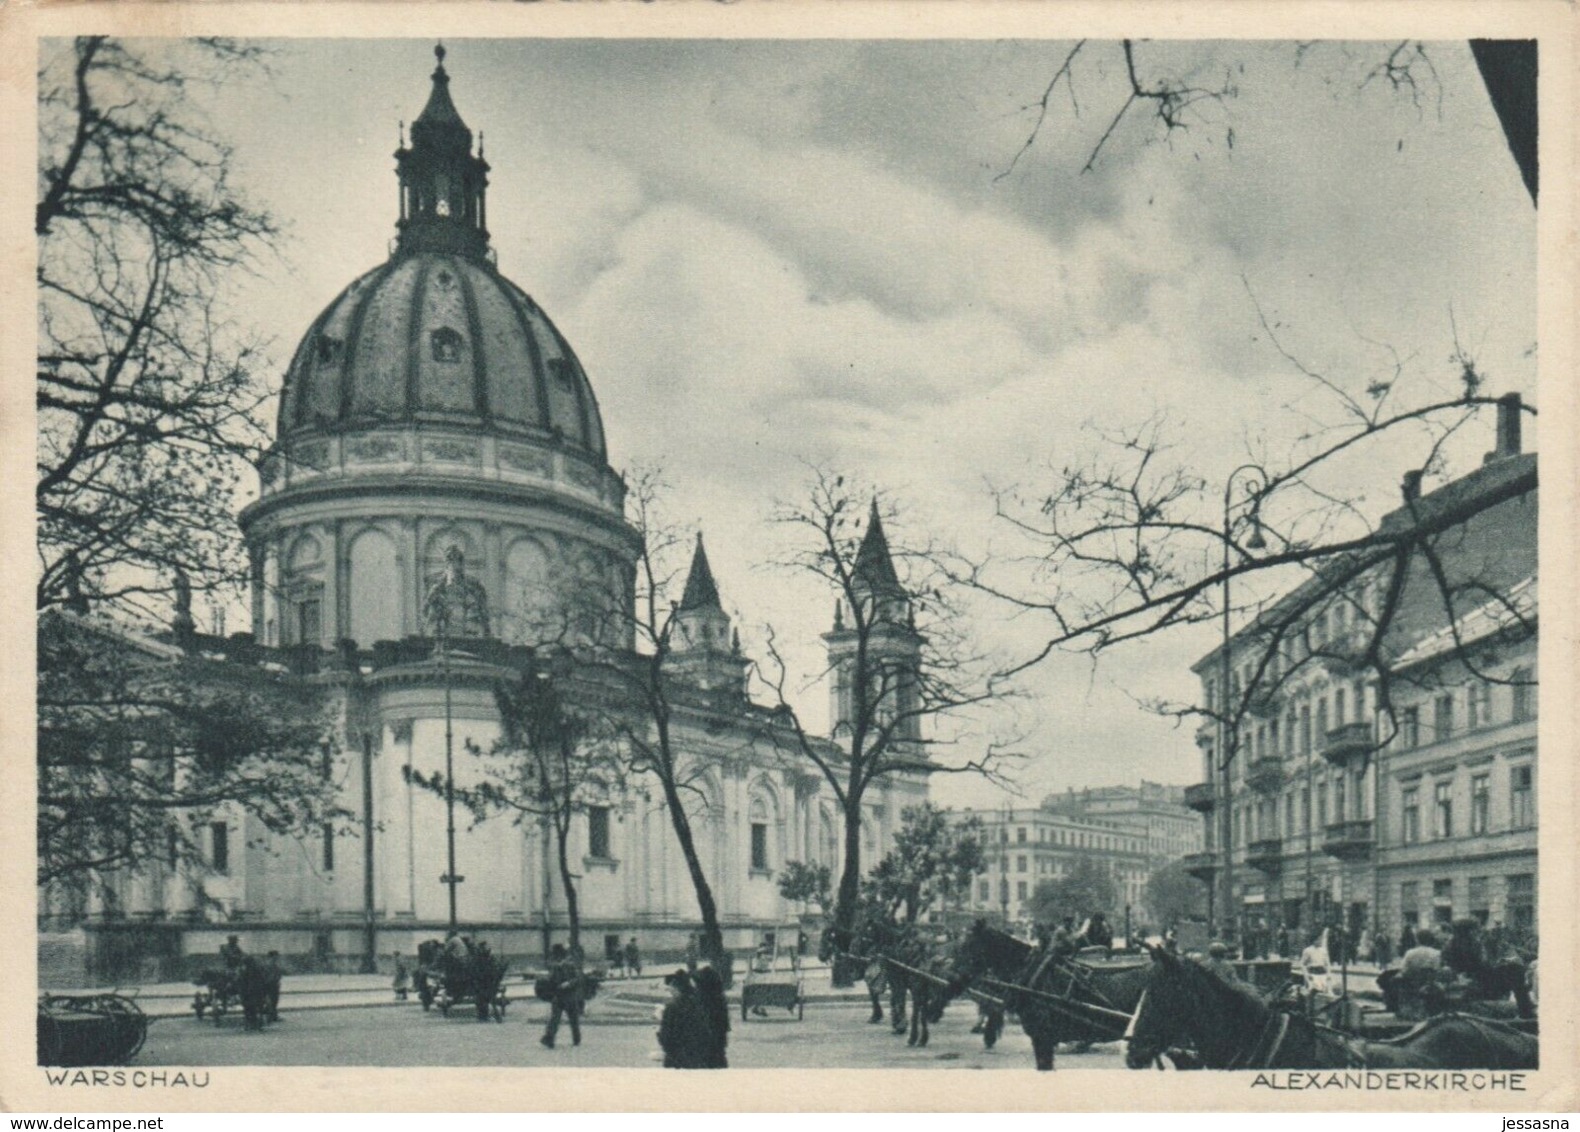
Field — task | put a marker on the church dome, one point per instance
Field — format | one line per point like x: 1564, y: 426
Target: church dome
x: 439, y: 337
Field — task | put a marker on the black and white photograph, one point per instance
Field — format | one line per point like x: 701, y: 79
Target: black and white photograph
x: 988, y: 550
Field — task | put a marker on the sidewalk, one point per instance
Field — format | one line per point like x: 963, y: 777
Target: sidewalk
x: 332, y: 992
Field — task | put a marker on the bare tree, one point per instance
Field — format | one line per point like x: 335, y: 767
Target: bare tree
x: 1176, y: 97
x: 900, y: 660
x: 148, y: 406
x: 1131, y: 543
x: 625, y: 649
x: 141, y: 744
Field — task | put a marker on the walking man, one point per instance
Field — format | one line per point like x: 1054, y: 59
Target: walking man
x: 565, y: 983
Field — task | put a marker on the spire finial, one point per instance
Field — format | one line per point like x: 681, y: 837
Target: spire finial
x: 438, y: 53
x: 480, y: 143
x: 402, y: 129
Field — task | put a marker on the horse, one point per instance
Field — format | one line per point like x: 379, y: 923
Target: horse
x: 258, y: 987
x: 1228, y: 1026
x: 916, y: 971
x: 1058, y: 998
x: 835, y: 947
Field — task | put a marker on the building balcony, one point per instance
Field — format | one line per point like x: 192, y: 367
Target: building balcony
x: 1265, y: 774
x: 1265, y: 856
x: 1202, y: 866
x: 1344, y: 654
x: 1348, y: 840
x: 1352, y: 741
x: 1264, y: 705
x: 1201, y: 797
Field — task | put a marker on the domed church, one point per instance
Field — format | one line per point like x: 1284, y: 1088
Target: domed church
x: 436, y: 427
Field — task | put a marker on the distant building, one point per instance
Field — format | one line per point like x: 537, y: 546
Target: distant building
x: 1340, y: 815
x: 1158, y: 812
x: 1027, y: 846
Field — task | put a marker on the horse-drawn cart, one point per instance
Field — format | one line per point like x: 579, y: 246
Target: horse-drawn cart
x: 445, y: 979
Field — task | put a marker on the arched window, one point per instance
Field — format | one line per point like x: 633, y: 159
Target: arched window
x: 446, y: 345
x: 758, y: 816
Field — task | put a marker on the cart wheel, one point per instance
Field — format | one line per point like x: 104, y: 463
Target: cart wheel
x: 743, y: 1008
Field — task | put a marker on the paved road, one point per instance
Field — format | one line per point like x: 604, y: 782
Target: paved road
x: 618, y: 1033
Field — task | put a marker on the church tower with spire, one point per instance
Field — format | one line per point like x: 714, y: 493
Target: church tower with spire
x: 874, y: 650
x: 704, y: 650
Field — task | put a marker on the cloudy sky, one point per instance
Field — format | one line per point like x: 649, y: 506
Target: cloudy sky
x: 773, y: 252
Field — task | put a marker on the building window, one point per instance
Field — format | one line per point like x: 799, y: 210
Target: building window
x: 598, y: 832
x: 329, y: 848
x: 1410, y: 827
x: 446, y: 345
x: 1410, y: 902
x: 1480, y: 803
x: 1338, y: 707
x: 1443, y: 901
x: 1020, y: 835
x: 1305, y: 808
x: 1524, y: 694
x: 1480, y: 900
x: 219, y: 847
x: 1443, y: 809
x: 1480, y: 713
x: 759, y: 845
x: 1443, y: 717
x: 1003, y: 892
x: 1322, y: 805
x: 1020, y: 890
x: 1338, y: 799
x: 985, y: 891
x: 1020, y: 864
x: 1410, y: 728
x: 1522, y: 811
x: 1521, y: 902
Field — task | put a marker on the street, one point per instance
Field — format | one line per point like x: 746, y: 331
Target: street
x: 618, y: 1033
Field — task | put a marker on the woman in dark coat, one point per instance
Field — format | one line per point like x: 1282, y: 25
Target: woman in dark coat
x: 710, y: 992
x: 683, y: 1030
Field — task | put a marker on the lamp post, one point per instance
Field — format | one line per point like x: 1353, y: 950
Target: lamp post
x: 1228, y: 725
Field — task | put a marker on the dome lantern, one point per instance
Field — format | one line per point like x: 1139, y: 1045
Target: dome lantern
x: 443, y: 185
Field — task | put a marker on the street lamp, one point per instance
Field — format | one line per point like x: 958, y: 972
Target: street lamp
x: 1228, y: 726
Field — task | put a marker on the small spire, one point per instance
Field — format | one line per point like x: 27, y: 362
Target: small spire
x: 839, y: 614
x: 402, y: 130
x: 701, y: 590
x: 480, y: 143
x: 735, y: 641
x: 438, y: 53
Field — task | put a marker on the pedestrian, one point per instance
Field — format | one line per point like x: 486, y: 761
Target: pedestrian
x: 230, y: 951
x: 1407, y: 939
x: 710, y: 993
x: 402, y: 978
x: 633, y: 959
x: 565, y: 995
x: 613, y: 956
x: 273, y: 972
x: 683, y: 1031
x: 1314, y: 963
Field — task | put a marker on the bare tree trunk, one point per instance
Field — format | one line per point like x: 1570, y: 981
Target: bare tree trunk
x: 562, y: 836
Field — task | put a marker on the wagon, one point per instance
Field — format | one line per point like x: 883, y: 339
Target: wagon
x: 477, y: 980
x: 774, y: 979
x: 89, y: 1029
x: 218, y: 993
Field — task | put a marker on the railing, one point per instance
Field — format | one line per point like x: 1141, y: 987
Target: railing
x: 1348, y: 840
x: 1346, y: 742
x: 1265, y: 774
x: 1266, y: 855
x: 1201, y: 797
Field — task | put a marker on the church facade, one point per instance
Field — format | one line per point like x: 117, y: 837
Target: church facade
x: 438, y: 498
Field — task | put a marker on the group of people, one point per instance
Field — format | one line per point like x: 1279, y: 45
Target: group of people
x: 627, y: 960
x: 694, y: 1025
x: 256, y: 982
